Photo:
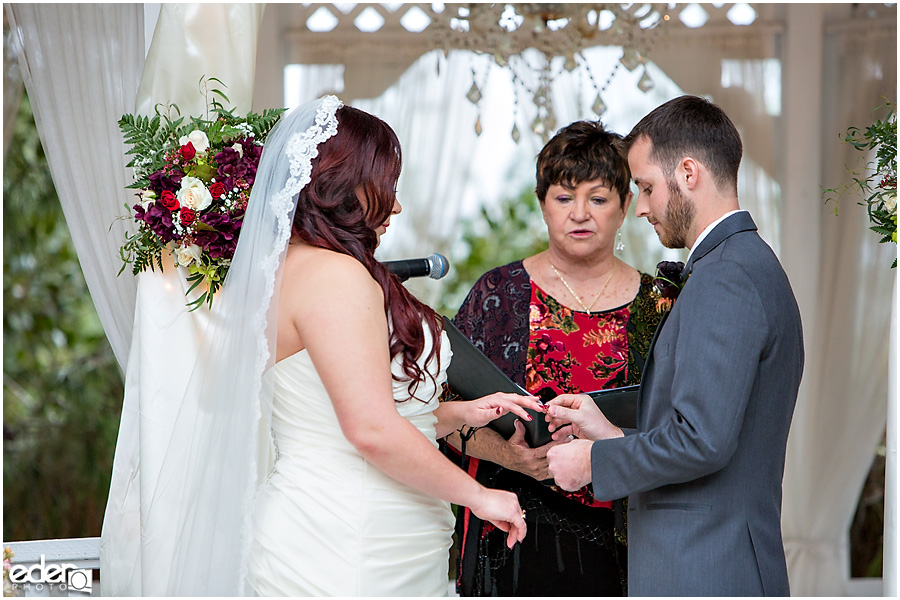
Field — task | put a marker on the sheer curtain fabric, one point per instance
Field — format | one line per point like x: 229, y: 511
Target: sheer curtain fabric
x: 81, y: 64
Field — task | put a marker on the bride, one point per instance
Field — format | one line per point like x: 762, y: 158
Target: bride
x: 357, y: 502
x: 301, y: 458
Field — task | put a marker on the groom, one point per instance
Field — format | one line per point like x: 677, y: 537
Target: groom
x: 705, y: 465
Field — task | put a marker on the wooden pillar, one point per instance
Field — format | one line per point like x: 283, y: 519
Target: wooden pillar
x: 801, y: 204
x: 801, y: 214
x: 271, y: 58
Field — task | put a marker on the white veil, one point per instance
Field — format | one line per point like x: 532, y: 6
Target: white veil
x: 194, y: 535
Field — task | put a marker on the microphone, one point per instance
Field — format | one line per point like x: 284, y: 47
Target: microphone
x: 434, y: 266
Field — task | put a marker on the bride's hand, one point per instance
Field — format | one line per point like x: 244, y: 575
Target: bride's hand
x: 484, y: 410
x: 502, y: 509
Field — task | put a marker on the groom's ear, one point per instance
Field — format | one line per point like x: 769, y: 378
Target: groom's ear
x: 689, y: 172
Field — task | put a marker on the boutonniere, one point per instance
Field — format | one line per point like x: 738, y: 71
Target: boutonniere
x: 669, y: 283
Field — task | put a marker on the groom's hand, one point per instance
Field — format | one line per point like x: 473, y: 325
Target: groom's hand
x: 570, y: 464
x: 577, y: 415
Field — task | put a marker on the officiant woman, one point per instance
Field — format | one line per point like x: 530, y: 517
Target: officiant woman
x: 573, y: 318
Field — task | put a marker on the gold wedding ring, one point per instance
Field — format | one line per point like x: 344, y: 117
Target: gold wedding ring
x: 523, y: 513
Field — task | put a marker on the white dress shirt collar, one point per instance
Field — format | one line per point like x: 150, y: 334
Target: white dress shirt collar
x: 709, y: 228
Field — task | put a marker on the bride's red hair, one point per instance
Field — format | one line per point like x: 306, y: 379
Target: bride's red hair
x: 365, y: 154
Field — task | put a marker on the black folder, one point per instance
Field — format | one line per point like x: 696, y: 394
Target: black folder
x: 472, y: 375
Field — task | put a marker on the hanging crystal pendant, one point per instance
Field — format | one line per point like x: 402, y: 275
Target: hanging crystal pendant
x: 645, y: 84
x: 550, y: 121
x: 474, y: 95
x: 540, y: 96
x: 516, y: 136
x: 570, y: 64
x: 478, y: 126
x: 500, y: 60
x: 599, y: 107
x: 630, y: 59
x: 538, y: 126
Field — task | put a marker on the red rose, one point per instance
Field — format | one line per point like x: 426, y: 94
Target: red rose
x: 168, y: 200
x: 187, y: 151
x: 187, y: 216
x: 217, y: 190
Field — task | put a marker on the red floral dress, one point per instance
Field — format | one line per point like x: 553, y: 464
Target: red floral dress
x: 570, y: 352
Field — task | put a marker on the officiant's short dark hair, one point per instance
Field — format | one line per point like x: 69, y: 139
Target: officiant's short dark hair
x: 579, y: 152
x: 692, y: 126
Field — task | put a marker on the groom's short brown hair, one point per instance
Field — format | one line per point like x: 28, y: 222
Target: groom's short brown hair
x: 692, y: 126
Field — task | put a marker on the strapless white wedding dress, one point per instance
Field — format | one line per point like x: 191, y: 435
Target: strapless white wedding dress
x: 328, y: 523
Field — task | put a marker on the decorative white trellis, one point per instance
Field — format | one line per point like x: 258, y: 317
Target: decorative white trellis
x: 386, y: 38
x: 376, y: 43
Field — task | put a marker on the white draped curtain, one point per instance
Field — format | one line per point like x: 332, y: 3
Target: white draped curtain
x: 190, y: 42
x: 82, y: 66
x: 840, y: 417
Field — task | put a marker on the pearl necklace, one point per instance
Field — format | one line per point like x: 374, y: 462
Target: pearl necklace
x: 574, y: 295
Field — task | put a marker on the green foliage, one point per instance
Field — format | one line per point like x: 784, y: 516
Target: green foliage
x: 62, y: 390
x: 146, y: 253
x: 513, y: 230
x: 151, y: 138
x: 878, y: 181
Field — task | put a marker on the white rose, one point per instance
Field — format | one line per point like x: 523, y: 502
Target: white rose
x: 193, y: 194
x: 187, y: 255
x: 147, y: 197
x: 890, y: 204
x: 239, y: 149
x: 197, y: 138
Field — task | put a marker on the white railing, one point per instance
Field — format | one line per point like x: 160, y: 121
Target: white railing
x: 82, y: 553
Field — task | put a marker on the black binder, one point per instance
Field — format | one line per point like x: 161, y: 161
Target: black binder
x: 472, y: 375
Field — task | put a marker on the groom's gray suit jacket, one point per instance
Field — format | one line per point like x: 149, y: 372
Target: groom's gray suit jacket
x: 703, y: 471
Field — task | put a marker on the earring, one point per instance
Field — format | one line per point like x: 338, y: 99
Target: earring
x: 620, y: 245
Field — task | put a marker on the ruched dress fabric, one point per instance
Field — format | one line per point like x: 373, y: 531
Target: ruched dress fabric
x: 328, y: 523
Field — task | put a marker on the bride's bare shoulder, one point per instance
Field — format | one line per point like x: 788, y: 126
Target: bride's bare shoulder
x: 318, y: 271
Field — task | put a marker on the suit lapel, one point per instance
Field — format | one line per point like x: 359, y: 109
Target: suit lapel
x: 648, y: 366
x: 736, y: 223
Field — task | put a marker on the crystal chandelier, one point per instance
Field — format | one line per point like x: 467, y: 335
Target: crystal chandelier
x: 506, y: 31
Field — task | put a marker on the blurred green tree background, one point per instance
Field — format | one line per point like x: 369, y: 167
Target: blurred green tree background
x: 62, y: 390
x: 498, y: 235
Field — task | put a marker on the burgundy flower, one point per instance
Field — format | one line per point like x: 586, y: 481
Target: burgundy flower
x: 165, y: 181
x: 237, y: 166
x: 668, y: 279
x: 217, y: 190
x: 158, y: 218
x: 187, y: 215
x: 221, y: 242
x: 168, y: 200
x: 187, y: 151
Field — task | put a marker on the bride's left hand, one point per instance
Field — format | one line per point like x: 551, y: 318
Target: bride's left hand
x: 482, y: 411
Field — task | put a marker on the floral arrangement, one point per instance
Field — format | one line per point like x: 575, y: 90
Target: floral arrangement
x: 878, y: 181
x: 669, y: 283
x: 194, y: 177
x: 8, y: 554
